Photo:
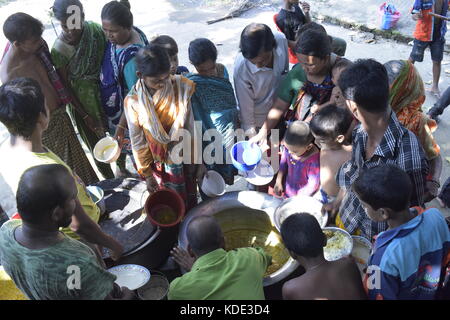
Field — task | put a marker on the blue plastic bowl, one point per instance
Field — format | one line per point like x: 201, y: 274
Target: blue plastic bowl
x: 237, y: 152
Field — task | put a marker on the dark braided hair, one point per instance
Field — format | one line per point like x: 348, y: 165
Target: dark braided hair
x: 118, y: 12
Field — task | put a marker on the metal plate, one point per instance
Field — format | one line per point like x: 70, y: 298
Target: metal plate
x: 300, y: 204
x: 338, y: 254
x: 125, y: 219
x: 131, y: 276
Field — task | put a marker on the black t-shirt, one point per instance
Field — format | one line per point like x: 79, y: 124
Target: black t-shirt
x: 290, y: 21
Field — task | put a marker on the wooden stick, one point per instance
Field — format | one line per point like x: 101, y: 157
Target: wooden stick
x: 218, y: 20
x: 247, y: 5
x: 439, y: 16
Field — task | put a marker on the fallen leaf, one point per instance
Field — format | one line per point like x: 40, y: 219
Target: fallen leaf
x: 429, y: 82
x: 448, y: 159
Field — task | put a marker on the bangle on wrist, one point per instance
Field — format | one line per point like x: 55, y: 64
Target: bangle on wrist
x: 120, y: 126
x: 85, y: 116
x: 436, y: 182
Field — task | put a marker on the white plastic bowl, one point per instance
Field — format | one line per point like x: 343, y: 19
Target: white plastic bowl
x: 213, y: 184
x: 107, y: 150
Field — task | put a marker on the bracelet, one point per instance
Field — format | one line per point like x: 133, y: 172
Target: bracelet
x: 120, y: 126
x: 436, y: 182
x: 85, y: 117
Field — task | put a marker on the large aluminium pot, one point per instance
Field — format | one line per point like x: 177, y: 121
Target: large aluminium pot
x: 253, y: 206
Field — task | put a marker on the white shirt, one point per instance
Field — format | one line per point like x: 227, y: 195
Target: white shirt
x: 256, y: 88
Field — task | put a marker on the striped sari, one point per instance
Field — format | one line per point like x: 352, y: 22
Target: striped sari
x: 154, y: 123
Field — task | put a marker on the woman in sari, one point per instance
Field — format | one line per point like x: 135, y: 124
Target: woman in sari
x: 407, y: 95
x: 213, y: 103
x: 77, y: 54
x: 118, y: 72
x: 158, y: 111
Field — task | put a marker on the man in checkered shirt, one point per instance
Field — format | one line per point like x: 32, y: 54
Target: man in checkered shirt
x: 380, y: 138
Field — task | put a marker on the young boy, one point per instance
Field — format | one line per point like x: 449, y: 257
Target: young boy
x: 329, y: 127
x: 332, y: 280
x: 430, y: 32
x: 337, y: 98
x: 171, y: 46
x: 380, y: 138
x: 299, y: 167
x: 291, y: 18
x: 407, y: 258
x: 336, y: 95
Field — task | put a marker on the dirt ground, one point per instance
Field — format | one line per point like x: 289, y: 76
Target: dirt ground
x: 186, y: 21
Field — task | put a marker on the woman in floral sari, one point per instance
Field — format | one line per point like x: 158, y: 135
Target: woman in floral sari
x: 158, y: 111
x: 407, y: 95
x: 213, y: 102
x: 77, y: 54
x: 118, y: 72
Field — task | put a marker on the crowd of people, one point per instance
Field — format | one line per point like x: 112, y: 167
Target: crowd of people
x: 352, y: 135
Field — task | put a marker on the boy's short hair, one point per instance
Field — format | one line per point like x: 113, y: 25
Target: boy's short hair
x: 152, y: 61
x: 202, y: 50
x: 302, y: 235
x: 366, y: 83
x: 256, y: 38
x: 21, y: 27
x: 331, y: 121
x: 204, y: 234
x: 384, y: 186
x: 310, y: 26
x: 167, y: 43
x: 298, y: 133
x: 41, y: 190
x: 313, y: 43
x: 342, y: 64
x: 21, y: 103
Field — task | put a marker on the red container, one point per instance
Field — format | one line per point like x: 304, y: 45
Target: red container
x: 163, y: 200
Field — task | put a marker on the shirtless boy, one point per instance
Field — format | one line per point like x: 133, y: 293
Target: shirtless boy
x: 329, y: 127
x: 324, y: 280
x: 27, y: 55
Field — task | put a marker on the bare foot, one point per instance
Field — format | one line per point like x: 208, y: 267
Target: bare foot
x: 441, y: 203
x: 435, y: 92
x: 183, y: 258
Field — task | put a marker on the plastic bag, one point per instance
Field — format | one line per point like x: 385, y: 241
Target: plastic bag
x: 389, y: 16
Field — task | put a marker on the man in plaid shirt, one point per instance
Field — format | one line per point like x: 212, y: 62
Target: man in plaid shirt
x: 380, y: 138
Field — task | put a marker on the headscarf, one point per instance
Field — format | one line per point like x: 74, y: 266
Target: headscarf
x: 406, y: 97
